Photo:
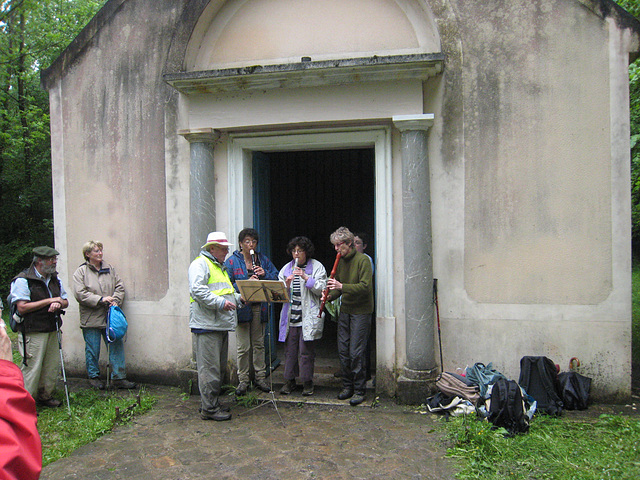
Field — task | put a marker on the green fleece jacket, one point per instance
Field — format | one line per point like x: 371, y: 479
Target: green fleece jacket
x: 355, y: 273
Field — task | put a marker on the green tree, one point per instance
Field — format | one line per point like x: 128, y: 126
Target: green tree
x: 633, y: 7
x: 32, y: 34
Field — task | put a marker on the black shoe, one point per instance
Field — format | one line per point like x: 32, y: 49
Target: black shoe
x: 307, y: 389
x: 123, y: 384
x: 357, y: 399
x: 345, y: 393
x: 288, y: 387
x: 49, y: 402
x: 96, y: 383
x: 219, y: 415
x: 261, y: 384
x: 241, y: 389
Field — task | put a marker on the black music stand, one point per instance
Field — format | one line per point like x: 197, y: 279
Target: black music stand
x: 269, y: 291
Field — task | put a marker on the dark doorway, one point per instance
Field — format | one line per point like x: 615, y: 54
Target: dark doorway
x: 315, y: 192
x: 312, y: 193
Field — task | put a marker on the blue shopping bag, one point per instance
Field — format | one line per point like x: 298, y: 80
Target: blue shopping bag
x: 116, y: 324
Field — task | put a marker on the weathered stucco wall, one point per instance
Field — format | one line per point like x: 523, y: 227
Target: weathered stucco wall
x: 528, y: 157
x: 531, y: 236
x: 537, y: 154
x: 111, y: 183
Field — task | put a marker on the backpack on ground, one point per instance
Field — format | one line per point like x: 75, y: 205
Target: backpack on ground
x: 506, y: 407
x: 575, y: 390
x: 539, y: 378
x: 116, y: 324
x: 449, y: 405
x: 453, y: 384
x: 483, y: 376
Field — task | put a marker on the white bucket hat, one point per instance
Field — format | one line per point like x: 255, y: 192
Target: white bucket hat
x: 219, y: 238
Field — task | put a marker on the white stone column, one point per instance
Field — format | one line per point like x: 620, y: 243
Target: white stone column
x: 418, y: 377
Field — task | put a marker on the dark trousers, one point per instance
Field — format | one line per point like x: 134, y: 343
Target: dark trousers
x: 353, y: 332
x: 299, y: 356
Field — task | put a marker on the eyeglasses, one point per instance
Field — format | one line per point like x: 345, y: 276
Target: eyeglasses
x: 297, y: 250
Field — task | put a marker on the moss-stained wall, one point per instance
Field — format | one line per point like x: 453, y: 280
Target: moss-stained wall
x: 537, y: 153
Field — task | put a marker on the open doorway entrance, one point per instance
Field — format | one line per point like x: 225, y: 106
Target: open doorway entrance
x: 312, y: 193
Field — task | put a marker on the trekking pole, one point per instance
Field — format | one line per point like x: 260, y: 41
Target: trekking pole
x: 108, y: 365
x: 435, y: 301
x: 64, y: 375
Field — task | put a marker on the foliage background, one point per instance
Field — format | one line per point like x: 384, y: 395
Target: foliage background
x: 33, y: 33
x: 633, y: 7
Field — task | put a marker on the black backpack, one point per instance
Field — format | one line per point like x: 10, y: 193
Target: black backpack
x: 16, y: 322
x: 507, y: 408
x: 15, y: 319
x: 575, y: 390
x: 539, y: 378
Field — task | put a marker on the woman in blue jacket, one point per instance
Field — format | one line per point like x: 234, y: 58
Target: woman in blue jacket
x: 248, y: 263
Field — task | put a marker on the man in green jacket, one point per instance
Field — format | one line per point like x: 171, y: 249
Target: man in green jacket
x: 353, y: 281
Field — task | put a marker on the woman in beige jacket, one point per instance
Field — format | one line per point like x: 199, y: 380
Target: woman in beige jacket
x: 97, y: 286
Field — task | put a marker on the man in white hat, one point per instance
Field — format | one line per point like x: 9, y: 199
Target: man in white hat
x: 212, y: 316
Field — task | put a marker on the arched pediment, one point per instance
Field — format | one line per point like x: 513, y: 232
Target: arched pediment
x: 240, y: 33
x: 264, y: 44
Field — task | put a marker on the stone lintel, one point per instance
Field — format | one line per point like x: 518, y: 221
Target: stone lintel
x: 308, y: 73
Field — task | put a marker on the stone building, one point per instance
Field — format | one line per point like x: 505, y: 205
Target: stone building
x: 485, y: 144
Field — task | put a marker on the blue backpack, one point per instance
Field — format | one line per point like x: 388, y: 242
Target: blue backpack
x: 116, y: 324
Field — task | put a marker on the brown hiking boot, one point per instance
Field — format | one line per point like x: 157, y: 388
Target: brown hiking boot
x: 123, y: 384
x: 307, y: 389
x: 96, y: 383
x: 288, y: 387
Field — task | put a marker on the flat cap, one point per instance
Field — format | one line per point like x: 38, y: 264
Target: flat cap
x: 45, y: 252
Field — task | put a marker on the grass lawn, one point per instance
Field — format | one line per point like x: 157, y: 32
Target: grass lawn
x: 606, y: 447
x: 569, y: 447
x: 93, y: 413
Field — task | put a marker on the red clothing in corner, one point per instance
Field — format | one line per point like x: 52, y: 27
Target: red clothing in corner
x: 20, y: 447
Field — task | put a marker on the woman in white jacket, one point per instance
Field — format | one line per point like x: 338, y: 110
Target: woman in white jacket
x: 300, y: 326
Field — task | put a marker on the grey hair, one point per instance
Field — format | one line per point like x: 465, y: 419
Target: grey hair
x: 343, y: 234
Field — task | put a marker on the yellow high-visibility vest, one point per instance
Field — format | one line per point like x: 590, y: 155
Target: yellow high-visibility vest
x: 219, y: 282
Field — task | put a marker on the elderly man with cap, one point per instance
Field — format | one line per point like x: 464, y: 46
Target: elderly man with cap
x: 212, y: 316
x: 39, y: 297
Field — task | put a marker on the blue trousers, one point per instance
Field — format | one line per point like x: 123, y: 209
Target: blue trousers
x: 92, y: 338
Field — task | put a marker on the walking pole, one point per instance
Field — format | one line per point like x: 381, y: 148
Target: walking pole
x: 64, y: 375
x: 435, y: 301
x: 108, y: 365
